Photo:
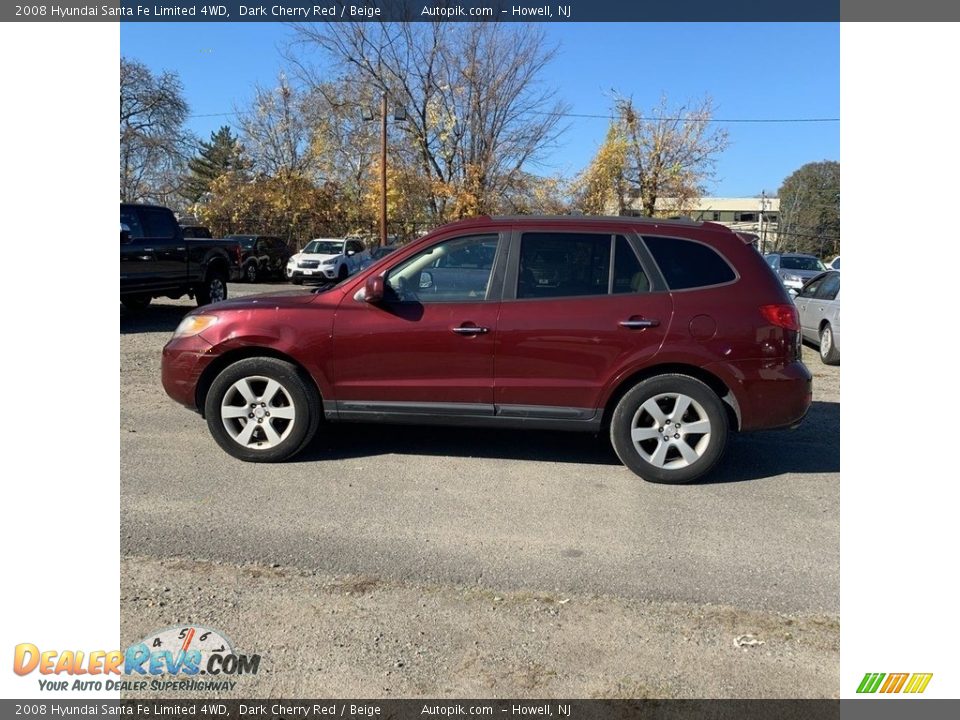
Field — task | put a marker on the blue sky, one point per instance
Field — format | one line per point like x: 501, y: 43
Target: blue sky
x: 752, y: 71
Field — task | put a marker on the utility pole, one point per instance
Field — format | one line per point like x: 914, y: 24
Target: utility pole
x: 383, y: 170
x: 763, y: 229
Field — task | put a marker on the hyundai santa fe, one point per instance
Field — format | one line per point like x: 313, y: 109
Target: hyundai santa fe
x: 665, y: 334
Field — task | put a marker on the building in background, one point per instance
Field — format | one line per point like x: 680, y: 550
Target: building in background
x: 758, y: 216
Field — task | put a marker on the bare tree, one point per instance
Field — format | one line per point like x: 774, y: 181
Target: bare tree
x: 668, y: 153
x: 153, y: 144
x: 477, y: 114
x: 275, y: 131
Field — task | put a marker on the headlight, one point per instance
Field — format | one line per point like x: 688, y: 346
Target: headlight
x: 292, y: 261
x: 792, y: 278
x: 194, y: 324
x: 331, y: 261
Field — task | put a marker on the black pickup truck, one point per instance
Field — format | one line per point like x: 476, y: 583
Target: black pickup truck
x: 157, y: 261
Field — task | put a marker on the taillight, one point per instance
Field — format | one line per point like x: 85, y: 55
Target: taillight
x: 784, y: 316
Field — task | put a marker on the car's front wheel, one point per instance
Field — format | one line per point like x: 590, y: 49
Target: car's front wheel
x: 262, y: 410
x: 252, y: 273
x: 669, y: 429
x: 828, y: 350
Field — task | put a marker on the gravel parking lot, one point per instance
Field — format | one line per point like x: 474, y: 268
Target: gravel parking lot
x: 405, y: 561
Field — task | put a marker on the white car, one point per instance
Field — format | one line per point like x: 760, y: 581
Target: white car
x: 326, y: 259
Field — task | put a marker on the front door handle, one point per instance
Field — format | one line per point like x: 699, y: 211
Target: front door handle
x: 471, y: 330
x: 639, y: 324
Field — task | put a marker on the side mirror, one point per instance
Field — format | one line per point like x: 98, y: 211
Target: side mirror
x: 351, y: 252
x: 426, y: 280
x: 373, y: 290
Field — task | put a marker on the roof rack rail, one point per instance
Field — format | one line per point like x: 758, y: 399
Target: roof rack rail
x: 675, y: 220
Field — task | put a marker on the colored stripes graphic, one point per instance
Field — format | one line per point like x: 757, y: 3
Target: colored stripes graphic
x: 894, y: 682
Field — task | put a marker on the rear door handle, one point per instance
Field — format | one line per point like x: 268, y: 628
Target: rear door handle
x: 638, y: 324
x: 471, y: 330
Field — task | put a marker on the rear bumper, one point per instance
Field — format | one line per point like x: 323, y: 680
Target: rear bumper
x: 769, y: 395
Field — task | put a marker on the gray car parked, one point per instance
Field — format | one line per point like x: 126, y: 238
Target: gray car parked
x: 795, y: 269
x: 819, y: 306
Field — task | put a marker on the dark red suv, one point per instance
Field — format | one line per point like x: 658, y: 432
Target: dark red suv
x: 667, y: 333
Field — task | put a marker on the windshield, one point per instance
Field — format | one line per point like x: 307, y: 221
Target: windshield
x: 324, y: 247
x: 381, y: 252
x: 801, y: 263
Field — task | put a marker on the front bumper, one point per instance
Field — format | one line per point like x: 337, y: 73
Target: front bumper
x: 320, y: 273
x: 181, y: 366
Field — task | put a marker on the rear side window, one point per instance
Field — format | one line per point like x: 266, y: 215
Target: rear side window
x: 686, y: 264
x: 628, y: 276
x: 563, y: 265
x: 158, y: 223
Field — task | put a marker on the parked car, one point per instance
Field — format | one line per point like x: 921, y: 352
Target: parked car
x: 262, y: 256
x: 795, y: 269
x: 834, y: 264
x: 666, y: 334
x: 156, y: 260
x: 197, y: 231
x: 378, y: 253
x: 326, y: 259
x: 818, y: 304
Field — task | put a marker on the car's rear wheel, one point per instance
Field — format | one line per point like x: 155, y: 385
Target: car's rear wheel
x: 214, y: 288
x: 262, y: 410
x: 251, y: 273
x: 828, y: 350
x: 669, y: 429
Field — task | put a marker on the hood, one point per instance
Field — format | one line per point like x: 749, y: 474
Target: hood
x: 256, y: 302
x: 800, y: 273
x: 315, y: 256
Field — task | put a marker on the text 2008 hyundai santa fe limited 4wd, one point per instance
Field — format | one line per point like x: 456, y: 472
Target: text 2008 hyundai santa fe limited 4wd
x: 666, y: 334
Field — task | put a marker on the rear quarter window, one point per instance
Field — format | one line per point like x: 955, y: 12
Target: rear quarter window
x: 687, y: 264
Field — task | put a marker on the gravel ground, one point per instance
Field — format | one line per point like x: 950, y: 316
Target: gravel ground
x: 401, y: 561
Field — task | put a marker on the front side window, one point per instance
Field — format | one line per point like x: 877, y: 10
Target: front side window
x: 132, y: 221
x: 456, y: 270
x: 810, y: 289
x: 563, y: 265
x: 686, y: 264
x: 830, y: 287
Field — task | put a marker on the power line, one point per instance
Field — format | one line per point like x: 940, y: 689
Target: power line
x: 598, y: 116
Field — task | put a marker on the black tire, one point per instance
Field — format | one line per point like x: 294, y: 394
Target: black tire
x: 688, y: 455
x: 135, y: 302
x: 296, y: 391
x: 828, y: 349
x: 214, y: 288
x: 251, y: 273
x: 343, y: 273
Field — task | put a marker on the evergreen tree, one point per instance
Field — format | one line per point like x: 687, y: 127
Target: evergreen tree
x: 221, y: 155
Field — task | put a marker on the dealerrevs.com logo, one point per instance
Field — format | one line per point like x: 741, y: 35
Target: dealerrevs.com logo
x: 911, y: 683
x: 175, y: 658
